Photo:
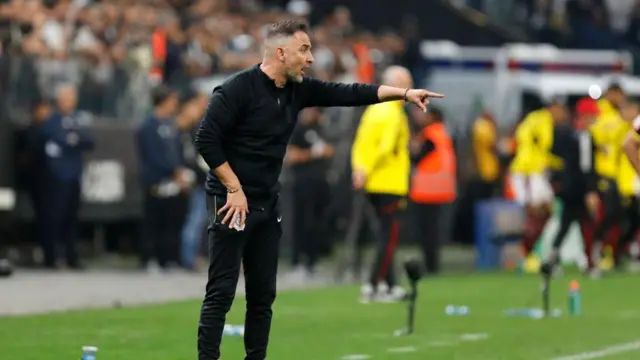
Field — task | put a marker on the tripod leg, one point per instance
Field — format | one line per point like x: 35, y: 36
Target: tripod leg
x: 546, y: 280
x: 412, y: 312
x: 412, y: 308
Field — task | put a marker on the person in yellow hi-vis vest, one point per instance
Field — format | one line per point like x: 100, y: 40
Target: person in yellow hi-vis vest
x: 605, y: 132
x: 628, y: 185
x: 530, y: 167
x: 381, y: 165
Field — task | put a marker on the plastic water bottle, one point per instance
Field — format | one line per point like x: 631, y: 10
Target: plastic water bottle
x: 233, y: 330
x: 89, y: 353
x: 455, y: 310
x: 575, y: 298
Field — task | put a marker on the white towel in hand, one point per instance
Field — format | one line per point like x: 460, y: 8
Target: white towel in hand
x: 238, y: 225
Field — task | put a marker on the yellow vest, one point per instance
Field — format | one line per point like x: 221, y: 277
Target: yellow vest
x: 534, y: 137
x: 627, y: 178
x: 606, y: 108
x: 381, y: 149
x: 606, y: 136
x: 484, y: 149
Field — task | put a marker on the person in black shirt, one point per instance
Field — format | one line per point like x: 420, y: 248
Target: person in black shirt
x: 308, y: 154
x: 577, y: 183
x: 243, y: 138
x: 36, y: 174
x: 196, y: 219
x: 164, y: 179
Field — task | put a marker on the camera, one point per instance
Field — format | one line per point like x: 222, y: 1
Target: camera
x: 414, y: 270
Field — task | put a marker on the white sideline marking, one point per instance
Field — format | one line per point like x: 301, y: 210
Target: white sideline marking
x: 371, y: 336
x: 405, y: 349
x: 442, y: 343
x: 356, y: 357
x: 628, y: 314
x: 617, y: 349
x: 474, y: 337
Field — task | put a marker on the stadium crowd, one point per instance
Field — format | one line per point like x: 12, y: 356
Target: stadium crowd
x: 108, y: 48
x: 591, y: 24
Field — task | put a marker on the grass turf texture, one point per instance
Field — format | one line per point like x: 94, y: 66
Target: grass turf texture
x: 329, y: 324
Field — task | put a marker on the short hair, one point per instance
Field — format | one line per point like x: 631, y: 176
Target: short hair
x: 59, y: 88
x: 286, y: 28
x: 436, y: 113
x: 160, y: 94
x: 557, y: 100
x: 615, y: 87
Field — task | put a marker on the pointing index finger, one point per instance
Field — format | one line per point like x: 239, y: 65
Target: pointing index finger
x: 434, y: 95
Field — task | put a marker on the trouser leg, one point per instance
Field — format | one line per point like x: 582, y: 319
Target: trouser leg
x: 226, y: 247
x: 260, y: 271
x: 386, y: 233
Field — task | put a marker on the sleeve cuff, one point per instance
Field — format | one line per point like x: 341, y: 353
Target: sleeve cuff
x: 374, y: 93
x: 214, y: 160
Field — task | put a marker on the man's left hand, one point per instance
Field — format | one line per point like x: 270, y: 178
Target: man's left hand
x: 420, y: 97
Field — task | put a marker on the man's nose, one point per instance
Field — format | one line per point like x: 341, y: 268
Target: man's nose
x: 310, y: 59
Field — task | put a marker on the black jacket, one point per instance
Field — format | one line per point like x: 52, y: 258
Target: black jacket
x: 576, y: 149
x: 159, y: 150
x: 64, y: 155
x: 249, y: 120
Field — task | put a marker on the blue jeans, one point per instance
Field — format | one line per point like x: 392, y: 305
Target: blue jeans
x: 193, y: 227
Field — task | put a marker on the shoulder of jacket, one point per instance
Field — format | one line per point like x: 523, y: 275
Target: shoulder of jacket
x: 235, y: 81
x: 53, y: 116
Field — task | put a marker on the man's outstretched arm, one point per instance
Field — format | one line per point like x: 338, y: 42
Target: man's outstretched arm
x: 322, y: 93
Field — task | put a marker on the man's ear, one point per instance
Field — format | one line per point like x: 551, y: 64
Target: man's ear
x: 280, y: 53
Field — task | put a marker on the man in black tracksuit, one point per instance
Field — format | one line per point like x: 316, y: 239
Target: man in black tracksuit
x: 308, y: 156
x: 243, y: 138
x: 577, y: 183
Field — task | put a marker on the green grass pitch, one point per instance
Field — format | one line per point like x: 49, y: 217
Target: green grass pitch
x: 330, y: 324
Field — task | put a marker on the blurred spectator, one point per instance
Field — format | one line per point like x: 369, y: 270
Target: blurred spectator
x: 381, y: 166
x: 308, y: 155
x: 433, y: 184
x: 164, y: 178
x: 196, y: 219
x: 30, y: 165
x: 485, y: 176
x: 64, y: 142
x: 485, y: 148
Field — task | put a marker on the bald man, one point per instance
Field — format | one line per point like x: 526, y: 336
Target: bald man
x: 64, y: 143
x: 381, y: 164
x: 243, y: 138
